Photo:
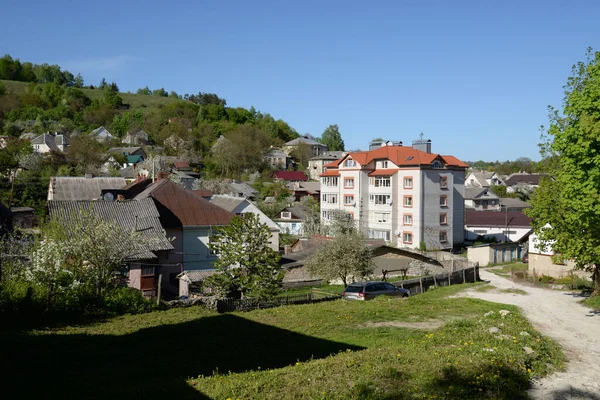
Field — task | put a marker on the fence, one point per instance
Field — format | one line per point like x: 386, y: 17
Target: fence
x: 420, y: 285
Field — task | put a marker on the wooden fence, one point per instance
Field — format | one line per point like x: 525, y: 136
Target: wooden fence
x: 420, y: 285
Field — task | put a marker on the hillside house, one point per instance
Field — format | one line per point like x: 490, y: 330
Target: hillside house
x: 481, y: 198
x: 291, y: 220
x: 241, y: 206
x: 483, y: 179
x: 101, y: 134
x: 145, y: 263
x: 503, y: 226
x: 305, y: 140
x: 316, y: 164
x: 81, y: 187
x: 47, y: 142
x: 137, y: 137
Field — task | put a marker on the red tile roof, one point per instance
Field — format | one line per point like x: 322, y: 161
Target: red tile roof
x: 297, y: 176
x: 331, y: 172
x: 497, y: 219
x: 399, y: 155
x: 180, y: 207
x: 383, y: 172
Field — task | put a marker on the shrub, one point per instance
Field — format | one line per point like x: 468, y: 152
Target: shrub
x: 126, y: 300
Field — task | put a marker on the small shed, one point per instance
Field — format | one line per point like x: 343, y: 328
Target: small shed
x: 494, y: 253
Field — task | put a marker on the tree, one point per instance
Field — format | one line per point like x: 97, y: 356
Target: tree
x: 332, y: 138
x: 144, y: 91
x: 78, y: 81
x: 345, y: 255
x: 246, y: 264
x: 565, y: 210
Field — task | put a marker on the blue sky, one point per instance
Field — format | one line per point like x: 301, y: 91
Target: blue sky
x: 474, y: 76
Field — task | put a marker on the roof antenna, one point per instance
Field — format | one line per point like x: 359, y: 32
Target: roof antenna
x: 421, y: 135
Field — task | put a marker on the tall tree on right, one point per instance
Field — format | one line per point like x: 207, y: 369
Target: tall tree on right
x: 332, y: 138
x: 566, y: 209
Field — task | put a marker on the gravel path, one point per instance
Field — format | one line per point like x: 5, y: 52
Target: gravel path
x: 558, y: 315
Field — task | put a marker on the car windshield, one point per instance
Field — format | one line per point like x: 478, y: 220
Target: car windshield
x: 353, y: 289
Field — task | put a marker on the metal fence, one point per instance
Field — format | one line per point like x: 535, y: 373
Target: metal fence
x: 228, y: 305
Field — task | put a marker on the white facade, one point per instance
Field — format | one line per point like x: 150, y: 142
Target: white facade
x: 500, y: 233
x: 402, y: 204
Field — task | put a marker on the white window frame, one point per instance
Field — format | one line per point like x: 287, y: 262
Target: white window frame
x: 381, y: 181
x: 380, y: 234
x: 349, y: 200
x: 349, y: 163
x: 410, y: 180
x: 380, y: 199
x: 380, y: 217
x: 408, y: 201
x: 443, y: 236
x: 407, y: 219
x: 286, y: 215
x: 384, y: 164
x: 349, y: 180
x: 406, y: 235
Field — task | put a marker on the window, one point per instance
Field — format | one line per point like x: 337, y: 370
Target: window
x: 349, y: 183
x: 330, y: 181
x: 443, y: 236
x: 380, y: 217
x: 443, y: 182
x: 380, y: 181
x: 286, y: 215
x: 380, y: 199
x: 384, y: 164
x: 408, y: 219
x: 407, y: 237
x: 379, y: 234
x: 324, y: 198
x: 326, y: 215
x: 443, y: 219
x: 444, y: 200
x: 330, y: 198
x: 437, y: 164
x: 349, y: 163
x: 408, y: 201
x: 348, y: 200
x: 147, y: 271
x: 408, y: 182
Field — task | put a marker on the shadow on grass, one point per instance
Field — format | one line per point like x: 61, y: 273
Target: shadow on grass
x: 151, y: 363
x: 573, y: 393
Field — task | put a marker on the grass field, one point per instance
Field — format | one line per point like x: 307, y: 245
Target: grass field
x: 504, y: 270
x: 137, y: 102
x: 424, y: 347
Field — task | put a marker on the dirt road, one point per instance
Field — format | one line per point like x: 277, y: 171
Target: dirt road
x: 557, y: 314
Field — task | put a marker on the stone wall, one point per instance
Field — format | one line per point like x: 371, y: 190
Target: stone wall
x: 544, y: 265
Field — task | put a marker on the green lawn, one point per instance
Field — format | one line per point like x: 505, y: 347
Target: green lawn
x: 389, y: 348
x: 142, y: 103
x: 592, y: 302
x: 504, y: 270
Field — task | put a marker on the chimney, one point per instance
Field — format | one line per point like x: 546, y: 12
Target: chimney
x: 422, y: 144
x: 162, y: 175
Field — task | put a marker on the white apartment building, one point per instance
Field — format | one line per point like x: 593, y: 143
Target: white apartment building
x: 401, y: 194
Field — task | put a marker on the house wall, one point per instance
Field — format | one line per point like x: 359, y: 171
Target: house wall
x: 196, y: 254
x: 497, y: 232
x: 291, y: 227
x: 41, y: 148
x: 486, y: 255
x: 135, y: 276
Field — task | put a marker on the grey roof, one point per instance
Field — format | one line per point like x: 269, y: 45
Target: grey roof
x: 312, y: 187
x: 510, y: 202
x: 128, y: 172
x: 244, y: 188
x: 50, y: 140
x: 297, y: 211
x: 482, y: 177
x: 101, y: 133
x: 28, y: 136
x: 228, y: 203
x: 330, y: 155
x: 276, y: 153
x: 139, y: 215
x: 125, y: 150
x: 81, y: 188
x: 197, y: 275
x: 138, y: 136
x: 479, y: 192
x: 303, y: 140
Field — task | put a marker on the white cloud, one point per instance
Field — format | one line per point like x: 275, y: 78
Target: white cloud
x: 98, y: 64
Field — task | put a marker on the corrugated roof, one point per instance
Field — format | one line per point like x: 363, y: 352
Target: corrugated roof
x: 229, y: 203
x: 497, y: 219
x: 180, y: 207
x: 513, y: 203
x: 203, y: 193
x: 140, y: 215
x: 531, y: 179
x: 290, y: 175
x: 82, y: 188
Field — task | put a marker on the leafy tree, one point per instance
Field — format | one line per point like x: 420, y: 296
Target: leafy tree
x: 302, y: 152
x: 204, y: 99
x: 144, y: 91
x: 85, y: 152
x: 241, y: 149
x: 565, y: 209
x: 345, y: 255
x: 246, y: 264
x: 332, y: 138
x: 111, y: 97
x: 78, y: 81
x: 160, y: 92
x: 103, y: 84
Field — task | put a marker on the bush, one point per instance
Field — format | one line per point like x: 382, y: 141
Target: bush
x: 126, y: 300
x: 546, y: 279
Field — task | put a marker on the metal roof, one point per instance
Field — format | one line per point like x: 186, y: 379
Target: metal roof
x: 180, y: 207
x: 139, y: 215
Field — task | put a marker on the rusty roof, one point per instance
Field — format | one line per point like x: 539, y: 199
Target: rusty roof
x: 180, y: 207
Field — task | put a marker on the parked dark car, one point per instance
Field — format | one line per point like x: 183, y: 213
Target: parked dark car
x: 369, y: 290
x: 525, y: 258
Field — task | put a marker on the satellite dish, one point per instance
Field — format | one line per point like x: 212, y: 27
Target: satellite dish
x: 398, y: 233
x: 108, y: 196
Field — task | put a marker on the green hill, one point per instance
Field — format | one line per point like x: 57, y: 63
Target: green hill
x: 137, y: 102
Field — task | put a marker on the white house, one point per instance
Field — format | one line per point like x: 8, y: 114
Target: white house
x: 316, y: 164
x: 545, y: 261
x: 48, y: 142
x: 101, y: 134
x: 306, y: 140
x: 483, y: 179
x: 403, y: 195
x: 480, y: 198
x: 240, y: 206
x: 504, y: 226
x: 291, y: 220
